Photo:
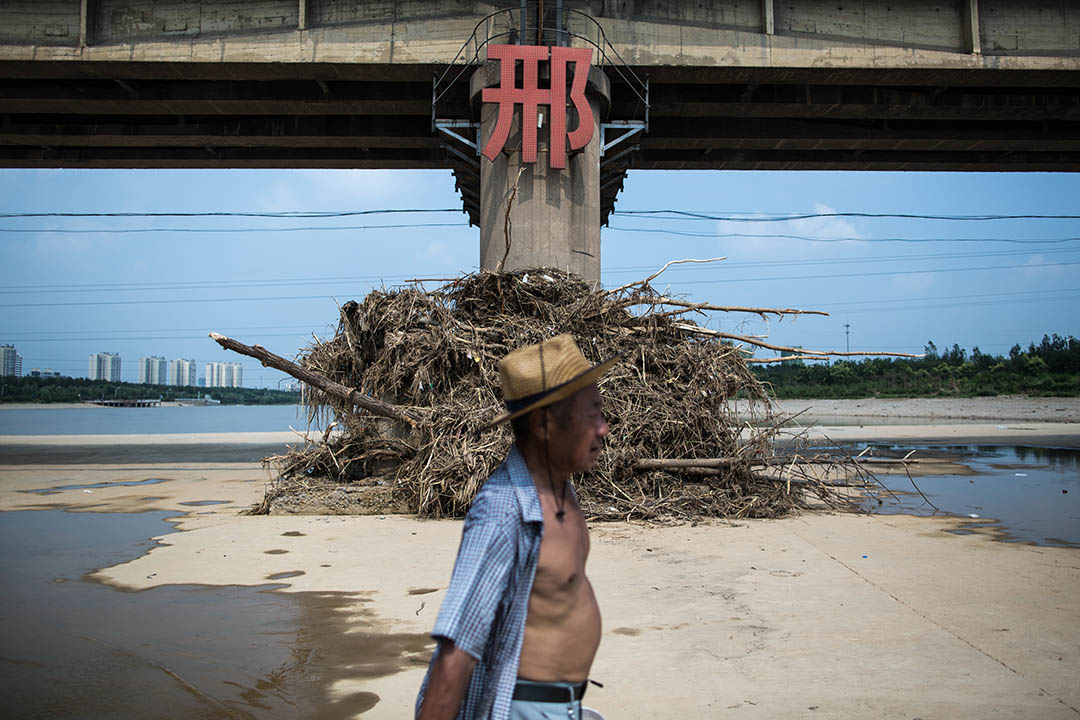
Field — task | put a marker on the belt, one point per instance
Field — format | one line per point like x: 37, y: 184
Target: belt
x: 549, y: 692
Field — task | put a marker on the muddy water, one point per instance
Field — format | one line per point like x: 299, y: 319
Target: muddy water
x: 1019, y: 494
x: 70, y: 647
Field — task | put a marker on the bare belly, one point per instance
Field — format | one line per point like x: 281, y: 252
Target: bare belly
x: 562, y: 633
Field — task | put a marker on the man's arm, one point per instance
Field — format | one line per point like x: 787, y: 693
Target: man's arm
x: 446, y: 686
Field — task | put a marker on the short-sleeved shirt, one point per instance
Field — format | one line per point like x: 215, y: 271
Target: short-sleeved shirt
x: 487, y: 602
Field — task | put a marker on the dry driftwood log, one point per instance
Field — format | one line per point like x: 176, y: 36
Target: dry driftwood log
x: 348, y: 397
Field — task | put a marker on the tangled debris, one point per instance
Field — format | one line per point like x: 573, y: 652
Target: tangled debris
x: 411, y: 376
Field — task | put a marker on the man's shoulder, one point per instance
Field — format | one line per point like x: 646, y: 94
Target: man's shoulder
x: 497, y: 496
x: 500, y: 499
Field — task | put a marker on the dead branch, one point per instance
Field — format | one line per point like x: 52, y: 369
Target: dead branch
x: 765, y: 361
x: 656, y: 274
x: 348, y: 396
x: 507, y: 223
x: 691, y: 306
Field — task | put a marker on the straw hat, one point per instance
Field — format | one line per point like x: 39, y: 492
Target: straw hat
x: 538, y: 375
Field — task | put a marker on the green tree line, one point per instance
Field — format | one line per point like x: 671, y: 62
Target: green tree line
x: 73, y: 390
x: 1050, y: 368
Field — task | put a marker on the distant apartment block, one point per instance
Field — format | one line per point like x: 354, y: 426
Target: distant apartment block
x: 46, y: 373
x: 104, y: 366
x: 183, y: 372
x: 224, y: 374
x: 153, y: 370
x: 10, y: 361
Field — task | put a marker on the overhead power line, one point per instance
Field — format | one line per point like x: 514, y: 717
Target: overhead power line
x: 886, y: 302
x: 783, y: 217
x: 223, y: 213
x: 98, y: 338
x: 867, y: 274
x: 352, y: 280
x: 248, y: 328
x: 701, y: 215
x: 167, y: 302
x: 203, y: 329
x: 682, y: 282
x: 810, y: 238
x: 970, y: 303
x: 143, y: 231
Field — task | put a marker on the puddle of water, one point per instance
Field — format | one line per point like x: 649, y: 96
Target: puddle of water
x: 201, y: 503
x: 74, y: 648
x: 1023, y: 494
x: 94, y: 486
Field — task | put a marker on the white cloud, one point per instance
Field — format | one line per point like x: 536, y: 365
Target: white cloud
x: 915, y: 283
x: 765, y: 244
x: 1032, y: 267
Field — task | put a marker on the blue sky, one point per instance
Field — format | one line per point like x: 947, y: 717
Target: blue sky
x: 66, y: 295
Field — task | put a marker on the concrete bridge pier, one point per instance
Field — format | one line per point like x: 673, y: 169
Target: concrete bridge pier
x: 554, y: 214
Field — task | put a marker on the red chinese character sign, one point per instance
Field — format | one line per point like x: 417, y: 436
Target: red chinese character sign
x: 530, y: 96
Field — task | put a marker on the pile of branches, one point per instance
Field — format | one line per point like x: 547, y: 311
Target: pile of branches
x: 411, y: 376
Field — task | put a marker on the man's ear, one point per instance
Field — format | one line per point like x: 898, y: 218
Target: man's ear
x: 538, y: 421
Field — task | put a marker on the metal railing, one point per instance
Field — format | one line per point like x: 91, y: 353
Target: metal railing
x: 522, y: 26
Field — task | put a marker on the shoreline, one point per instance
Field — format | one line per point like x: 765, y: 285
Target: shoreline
x: 90, y: 404
x: 998, y: 409
x: 254, y: 446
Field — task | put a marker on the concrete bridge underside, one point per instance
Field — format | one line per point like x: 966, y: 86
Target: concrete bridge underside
x: 803, y: 84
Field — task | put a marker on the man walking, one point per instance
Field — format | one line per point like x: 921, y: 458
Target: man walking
x: 519, y: 627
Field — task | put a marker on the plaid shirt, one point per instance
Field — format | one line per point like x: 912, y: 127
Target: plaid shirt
x: 488, y: 598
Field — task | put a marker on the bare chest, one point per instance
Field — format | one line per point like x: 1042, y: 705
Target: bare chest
x: 564, y: 548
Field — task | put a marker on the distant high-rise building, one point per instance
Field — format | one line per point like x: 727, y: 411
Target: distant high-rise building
x: 104, y: 366
x: 224, y: 374
x: 153, y: 370
x: 184, y: 372
x: 10, y: 361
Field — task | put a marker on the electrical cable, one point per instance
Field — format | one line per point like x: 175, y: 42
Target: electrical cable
x: 701, y: 215
x: 280, y: 282
x: 783, y: 217
x: 682, y: 282
x: 283, y: 214
x: 216, y: 231
x: 809, y: 238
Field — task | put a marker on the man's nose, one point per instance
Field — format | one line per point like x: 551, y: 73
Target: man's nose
x: 604, y: 429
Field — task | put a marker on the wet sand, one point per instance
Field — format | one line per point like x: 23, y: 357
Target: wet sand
x: 818, y: 615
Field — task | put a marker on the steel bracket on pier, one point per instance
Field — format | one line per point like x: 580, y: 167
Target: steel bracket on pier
x: 450, y: 129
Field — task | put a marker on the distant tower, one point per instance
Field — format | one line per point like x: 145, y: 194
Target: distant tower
x: 224, y: 374
x: 104, y: 366
x: 847, y: 335
x: 10, y: 361
x: 153, y: 370
x: 183, y: 372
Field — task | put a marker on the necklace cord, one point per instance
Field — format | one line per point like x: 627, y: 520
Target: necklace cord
x: 560, y: 501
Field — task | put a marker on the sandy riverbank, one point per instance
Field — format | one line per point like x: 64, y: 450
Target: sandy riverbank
x: 818, y: 615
